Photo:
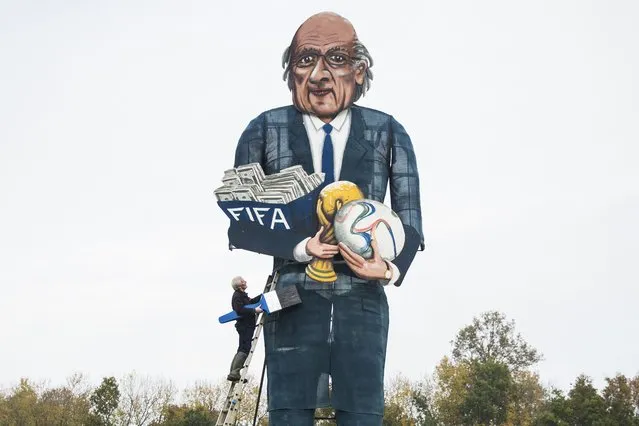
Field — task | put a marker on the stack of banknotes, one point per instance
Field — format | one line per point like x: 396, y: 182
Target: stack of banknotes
x: 248, y: 183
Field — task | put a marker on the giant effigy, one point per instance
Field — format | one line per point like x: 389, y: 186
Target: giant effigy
x: 307, y: 187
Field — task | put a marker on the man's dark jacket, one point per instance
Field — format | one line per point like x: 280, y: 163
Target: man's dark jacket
x: 247, y: 315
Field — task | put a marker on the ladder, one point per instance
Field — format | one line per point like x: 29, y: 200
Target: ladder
x: 228, y: 415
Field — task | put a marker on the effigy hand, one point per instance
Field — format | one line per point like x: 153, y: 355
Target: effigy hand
x: 316, y: 248
x: 371, y: 269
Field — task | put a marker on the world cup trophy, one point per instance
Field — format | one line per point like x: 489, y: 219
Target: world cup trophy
x: 329, y: 201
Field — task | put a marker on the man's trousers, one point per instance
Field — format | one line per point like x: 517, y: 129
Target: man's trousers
x: 305, y: 345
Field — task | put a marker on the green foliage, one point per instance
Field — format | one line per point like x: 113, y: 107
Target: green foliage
x: 451, y: 390
x: 634, y: 392
x: 526, y: 398
x: 487, y: 381
x: 555, y: 411
x: 422, y: 397
x: 586, y: 406
x: 324, y: 414
x: 492, y: 338
x: 31, y: 405
x: 618, y: 399
x: 398, y: 402
x: 548, y: 419
x: 104, y: 401
x: 486, y: 400
x: 22, y: 404
x: 185, y: 415
x: 62, y: 406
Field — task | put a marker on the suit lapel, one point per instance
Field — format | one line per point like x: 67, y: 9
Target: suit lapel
x: 298, y: 140
x: 356, y: 149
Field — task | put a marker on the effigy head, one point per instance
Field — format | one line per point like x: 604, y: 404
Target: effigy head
x: 327, y: 68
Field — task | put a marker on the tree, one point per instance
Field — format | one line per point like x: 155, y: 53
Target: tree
x: 492, y: 338
x: 324, y: 416
x: 143, y: 399
x: 487, y: 380
x: 4, y: 409
x: 398, y: 402
x: 619, y: 403
x: 634, y: 391
x: 186, y: 415
x: 79, y: 404
x: 202, y: 403
x: 423, y: 395
x: 30, y: 404
x: 555, y: 411
x: 487, y: 398
x: 586, y: 406
x: 62, y: 406
x: 450, y: 390
x: 207, y: 395
x: 22, y: 404
x: 105, y: 400
x: 526, y: 398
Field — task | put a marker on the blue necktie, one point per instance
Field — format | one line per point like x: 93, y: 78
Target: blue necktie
x: 328, y: 168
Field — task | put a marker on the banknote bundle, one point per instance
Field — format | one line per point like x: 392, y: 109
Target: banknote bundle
x: 249, y: 183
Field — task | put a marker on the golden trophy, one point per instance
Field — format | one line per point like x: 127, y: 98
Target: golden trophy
x: 330, y: 200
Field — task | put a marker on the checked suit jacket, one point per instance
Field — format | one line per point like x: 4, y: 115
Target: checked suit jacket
x: 378, y: 155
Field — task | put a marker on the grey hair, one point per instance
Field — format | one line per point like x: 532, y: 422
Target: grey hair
x: 361, y: 57
x: 235, y: 282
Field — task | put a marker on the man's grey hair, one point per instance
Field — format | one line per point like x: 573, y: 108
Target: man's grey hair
x: 360, y: 57
x: 235, y: 282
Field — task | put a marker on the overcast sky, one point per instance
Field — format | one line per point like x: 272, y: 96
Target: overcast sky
x: 117, y: 120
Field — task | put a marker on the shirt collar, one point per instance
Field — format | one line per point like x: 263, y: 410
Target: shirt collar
x: 337, y: 122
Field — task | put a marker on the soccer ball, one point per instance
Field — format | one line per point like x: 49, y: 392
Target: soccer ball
x: 354, y: 222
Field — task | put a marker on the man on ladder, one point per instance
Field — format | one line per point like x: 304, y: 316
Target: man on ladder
x: 245, y: 325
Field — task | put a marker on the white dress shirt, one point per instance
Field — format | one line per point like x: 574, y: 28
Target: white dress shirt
x: 339, y: 135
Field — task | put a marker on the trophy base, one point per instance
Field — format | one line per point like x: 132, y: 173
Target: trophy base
x: 321, y: 271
